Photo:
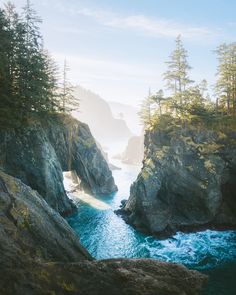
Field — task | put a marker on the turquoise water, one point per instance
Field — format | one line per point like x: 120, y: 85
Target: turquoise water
x: 106, y: 235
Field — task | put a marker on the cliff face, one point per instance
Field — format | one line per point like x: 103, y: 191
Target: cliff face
x: 187, y: 182
x: 97, y: 113
x: 133, y: 154
x: 38, y: 155
x: 28, y: 225
x: 40, y: 254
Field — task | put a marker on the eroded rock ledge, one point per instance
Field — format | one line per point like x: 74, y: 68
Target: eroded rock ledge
x: 187, y: 182
x: 39, y: 153
x: 40, y: 254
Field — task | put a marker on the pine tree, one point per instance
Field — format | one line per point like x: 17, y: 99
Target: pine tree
x: 32, y: 61
x: 10, y: 52
x: 226, y: 84
x: 158, y: 99
x: 39, y: 77
x: 69, y: 102
x: 28, y: 76
x: 203, y: 86
x: 176, y: 76
x: 6, y: 102
x: 145, y: 112
x: 49, y: 95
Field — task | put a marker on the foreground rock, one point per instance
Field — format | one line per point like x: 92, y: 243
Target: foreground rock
x: 187, y: 182
x: 38, y: 155
x: 40, y: 254
x: 31, y: 229
x: 118, y: 277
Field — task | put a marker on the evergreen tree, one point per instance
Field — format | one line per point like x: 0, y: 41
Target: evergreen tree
x: 203, y: 86
x: 49, y: 96
x: 6, y: 103
x: 176, y: 76
x: 145, y: 112
x: 39, y: 75
x: 10, y: 48
x: 158, y: 99
x: 226, y: 83
x: 28, y: 76
x: 69, y: 102
x: 32, y: 62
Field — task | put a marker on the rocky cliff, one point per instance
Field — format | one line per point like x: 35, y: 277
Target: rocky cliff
x: 187, y: 182
x: 133, y: 154
x: 96, y: 112
x: 31, y: 229
x: 38, y: 153
x: 40, y: 254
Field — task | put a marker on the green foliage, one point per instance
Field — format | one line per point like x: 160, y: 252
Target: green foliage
x: 176, y: 76
x: 145, y: 112
x: 152, y: 105
x: 157, y: 100
x: 191, y: 104
x: 226, y: 85
x: 28, y: 75
x: 68, y: 101
x: 165, y: 122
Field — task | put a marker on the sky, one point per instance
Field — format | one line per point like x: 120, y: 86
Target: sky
x: 118, y: 49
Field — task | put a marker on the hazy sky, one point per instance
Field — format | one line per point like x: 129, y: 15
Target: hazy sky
x: 118, y: 48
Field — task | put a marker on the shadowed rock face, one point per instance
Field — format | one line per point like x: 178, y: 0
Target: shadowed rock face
x: 40, y: 254
x: 38, y: 154
x: 118, y: 277
x: 31, y: 229
x: 187, y: 183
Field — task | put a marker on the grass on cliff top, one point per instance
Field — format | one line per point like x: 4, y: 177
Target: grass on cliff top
x: 217, y: 123
x: 15, y: 120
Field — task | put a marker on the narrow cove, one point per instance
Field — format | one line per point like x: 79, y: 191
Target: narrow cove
x: 105, y: 235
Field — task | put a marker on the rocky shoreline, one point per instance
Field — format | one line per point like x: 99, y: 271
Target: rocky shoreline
x: 187, y: 183
x: 39, y: 252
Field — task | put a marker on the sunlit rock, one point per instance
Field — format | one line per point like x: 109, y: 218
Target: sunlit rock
x: 187, y: 182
